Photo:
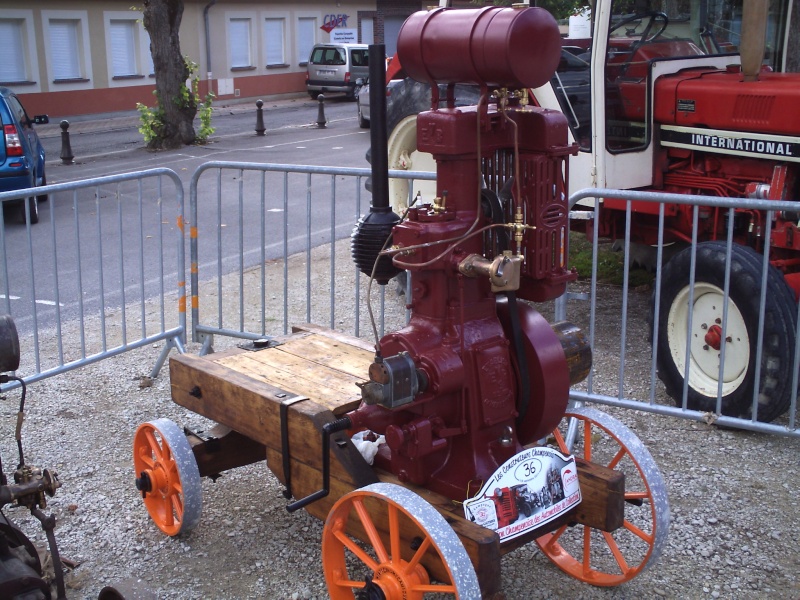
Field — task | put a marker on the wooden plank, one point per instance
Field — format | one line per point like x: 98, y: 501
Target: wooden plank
x: 331, y: 353
x: 336, y: 335
x: 252, y: 408
x: 329, y: 387
x: 224, y: 450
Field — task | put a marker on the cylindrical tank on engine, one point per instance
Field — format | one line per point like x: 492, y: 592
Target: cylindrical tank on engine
x: 505, y: 47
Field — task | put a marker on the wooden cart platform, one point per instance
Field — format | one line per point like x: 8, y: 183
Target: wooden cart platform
x: 311, y: 378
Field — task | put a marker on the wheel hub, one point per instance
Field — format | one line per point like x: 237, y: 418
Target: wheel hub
x: 394, y: 582
x: 714, y: 336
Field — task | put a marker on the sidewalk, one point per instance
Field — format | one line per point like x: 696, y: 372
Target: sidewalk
x: 130, y: 119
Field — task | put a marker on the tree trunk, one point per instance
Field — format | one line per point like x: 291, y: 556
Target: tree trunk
x: 162, y: 20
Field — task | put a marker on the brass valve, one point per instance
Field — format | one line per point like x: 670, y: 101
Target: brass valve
x: 503, y: 272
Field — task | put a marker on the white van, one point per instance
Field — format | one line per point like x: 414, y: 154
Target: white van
x: 336, y: 67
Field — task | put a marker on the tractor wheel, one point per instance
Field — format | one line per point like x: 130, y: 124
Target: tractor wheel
x: 403, y: 155
x: 408, y: 549
x: 610, y: 558
x: 32, y: 210
x: 167, y: 476
x: 43, y: 197
x: 704, y: 339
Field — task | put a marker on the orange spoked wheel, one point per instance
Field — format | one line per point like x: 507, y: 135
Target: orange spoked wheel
x: 597, y: 557
x: 167, y: 476
x: 409, y: 549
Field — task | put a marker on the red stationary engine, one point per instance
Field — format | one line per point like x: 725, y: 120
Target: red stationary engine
x: 476, y: 375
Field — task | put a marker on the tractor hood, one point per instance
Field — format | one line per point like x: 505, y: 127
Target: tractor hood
x: 722, y: 100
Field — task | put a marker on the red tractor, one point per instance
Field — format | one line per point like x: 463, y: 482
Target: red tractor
x: 685, y: 98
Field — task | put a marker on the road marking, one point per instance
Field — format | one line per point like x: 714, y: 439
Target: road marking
x: 45, y: 302
x: 315, y: 140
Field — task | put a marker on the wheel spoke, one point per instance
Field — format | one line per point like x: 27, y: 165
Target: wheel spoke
x: 423, y: 548
x: 349, y: 584
x: 177, y: 508
x: 433, y: 588
x: 168, y: 518
x: 351, y: 545
x: 615, y: 550
x: 562, y: 445
x: 637, y: 532
x: 637, y: 495
x: 556, y: 534
x: 394, y: 534
x: 617, y: 457
x: 587, y: 550
x: 155, y: 448
x: 371, y: 530
x: 146, y: 456
x: 587, y: 440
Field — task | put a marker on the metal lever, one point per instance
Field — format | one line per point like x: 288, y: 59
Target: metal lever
x: 327, y: 431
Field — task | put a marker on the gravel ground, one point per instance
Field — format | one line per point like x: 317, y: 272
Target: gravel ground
x: 735, y: 519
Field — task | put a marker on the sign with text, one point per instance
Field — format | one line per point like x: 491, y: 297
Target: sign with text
x: 344, y: 36
x: 527, y: 491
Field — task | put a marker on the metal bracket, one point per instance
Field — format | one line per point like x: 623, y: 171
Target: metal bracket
x: 259, y: 344
x: 287, y: 467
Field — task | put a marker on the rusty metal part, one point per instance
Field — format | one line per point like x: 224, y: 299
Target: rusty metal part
x: 30, y: 487
x: 577, y: 350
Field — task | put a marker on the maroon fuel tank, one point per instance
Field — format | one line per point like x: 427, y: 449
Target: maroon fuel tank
x: 499, y: 47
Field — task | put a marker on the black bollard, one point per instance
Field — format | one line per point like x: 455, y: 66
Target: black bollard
x: 321, y: 120
x: 66, y: 149
x: 259, y: 118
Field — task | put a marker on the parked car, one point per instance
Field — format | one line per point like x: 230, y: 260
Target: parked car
x: 571, y: 83
x: 21, y: 154
x: 362, y: 100
x: 337, y: 68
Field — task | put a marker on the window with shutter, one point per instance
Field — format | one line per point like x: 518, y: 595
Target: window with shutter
x: 12, y: 67
x: 239, y: 30
x: 123, y: 48
x: 273, y: 41
x: 306, y: 38
x: 64, y: 58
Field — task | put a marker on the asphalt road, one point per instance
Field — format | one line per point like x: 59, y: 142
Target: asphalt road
x: 95, y: 248
x: 111, y: 145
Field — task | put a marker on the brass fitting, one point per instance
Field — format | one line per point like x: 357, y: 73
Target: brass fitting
x: 503, y: 272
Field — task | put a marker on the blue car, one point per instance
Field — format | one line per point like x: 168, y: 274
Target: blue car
x: 21, y: 154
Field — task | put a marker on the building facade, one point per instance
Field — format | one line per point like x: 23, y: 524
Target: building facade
x: 70, y: 57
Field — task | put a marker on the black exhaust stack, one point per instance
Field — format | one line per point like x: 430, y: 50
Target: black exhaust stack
x: 374, y: 229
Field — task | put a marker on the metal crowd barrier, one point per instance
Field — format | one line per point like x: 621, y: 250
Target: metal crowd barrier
x: 110, y: 278
x: 657, y: 402
x: 269, y: 247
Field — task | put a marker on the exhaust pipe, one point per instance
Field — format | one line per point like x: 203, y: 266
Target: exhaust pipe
x: 374, y: 230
